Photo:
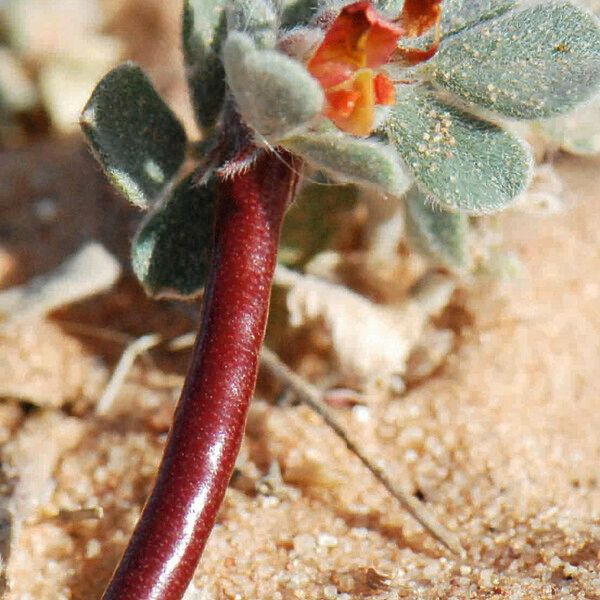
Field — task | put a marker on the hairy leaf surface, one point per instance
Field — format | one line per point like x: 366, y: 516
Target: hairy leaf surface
x: 135, y: 135
x: 458, y: 160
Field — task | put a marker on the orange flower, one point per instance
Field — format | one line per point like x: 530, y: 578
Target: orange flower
x: 348, y: 61
x: 418, y: 16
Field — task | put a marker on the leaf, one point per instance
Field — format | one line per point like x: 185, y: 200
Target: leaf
x: 170, y: 253
x: 458, y: 160
x: 313, y: 222
x: 135, y: 136
x: 436, y: 233
x: 274, y: 94
x: 527, y: 64
x: 258, y: 19
x: 353, y: 160
x: 204, y: 29
x: 578, y: 133
x: 391, y: 7
x: 298, y: 12
x: 461, y: 14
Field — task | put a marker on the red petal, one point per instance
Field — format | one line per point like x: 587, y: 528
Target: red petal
x: 382, y: 35
x: 342, y: 103
x: 420, y: 15
x: 358, y: 38
x: 331, y: 73
x: 362, y: 117
x: 384, y: 90
x: 415, y: 56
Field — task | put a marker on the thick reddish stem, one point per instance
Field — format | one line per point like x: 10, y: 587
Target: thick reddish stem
x: 210, y: 417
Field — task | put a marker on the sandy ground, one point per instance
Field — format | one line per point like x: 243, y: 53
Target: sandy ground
x: 502, y: 442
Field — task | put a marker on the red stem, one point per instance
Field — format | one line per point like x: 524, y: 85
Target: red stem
x: 210, y: 418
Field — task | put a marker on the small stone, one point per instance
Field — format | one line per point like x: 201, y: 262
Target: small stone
x: 304, y: 543
x: 93, y: 548
x: 361, y: 414
x: 555, y: 562
x: 327, y: 541
x: 486, y: 577
x: 431, y: 571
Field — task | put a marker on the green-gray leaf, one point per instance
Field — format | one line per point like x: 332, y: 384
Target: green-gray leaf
x: 204, y: 29
x: 313, y: 222
x: 458, y: 160
x: 353, y: 160
x: 440, y: 235
x: 527, y: 64
x: 170, y: 253
x: 137, y: 139
x: 274, y: 94
x: 298, y: 12
x: 460, y: 14
x: 578, y: 133
x: 258, y: 19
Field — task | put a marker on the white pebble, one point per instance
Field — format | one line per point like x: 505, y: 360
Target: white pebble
x: 327, y: 541
x: 304, y: 543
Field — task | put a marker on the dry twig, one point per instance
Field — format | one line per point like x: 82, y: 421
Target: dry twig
x: 106, y: 403
x: 312, y: 397
x: 89, y: 271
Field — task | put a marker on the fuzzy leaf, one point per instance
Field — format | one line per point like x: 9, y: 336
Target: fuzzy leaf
x: 298, y: 12
x: 313, y: 222
x: 527, y: 64
x: 436, y: 233
x: 257, y: 18
x: 458, y: 160
x: 391, y: 7
x: 353, y: 160
x: 204, y: 29
x: 578, y: 133
x: 137, y: 139
x: 170, y: 253
x: 460, y: 14
x: 274, y: 93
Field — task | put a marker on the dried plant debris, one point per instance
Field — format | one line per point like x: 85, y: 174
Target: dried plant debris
x: 64, y: 49
x: 17, y: 91
x: 312, y: 397
x: 88, y: 272
x: 545, y: 195
x: 384, y: 228
x: 28, y: 464
x: 42, y: 365
x: 579, y: 132
x: 371, y: 342
x: 428, y: 354
x: 364, y: 581
x: 107, y: 402
x: 38, y: 362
